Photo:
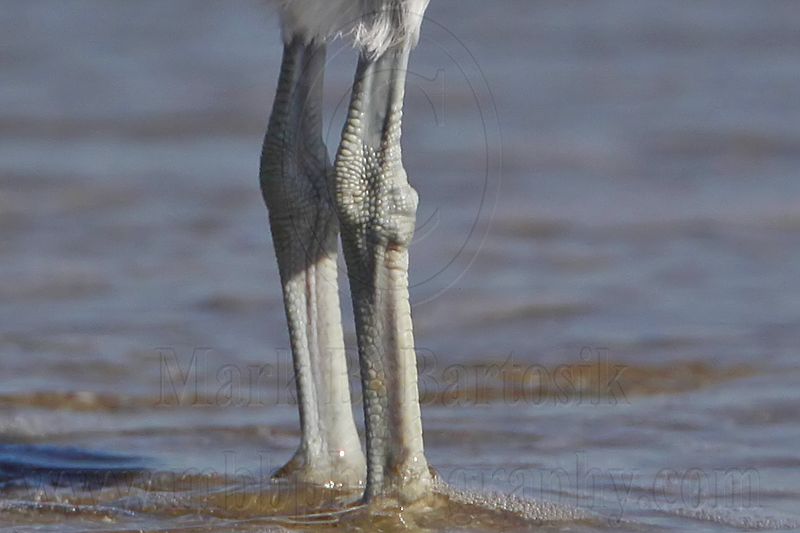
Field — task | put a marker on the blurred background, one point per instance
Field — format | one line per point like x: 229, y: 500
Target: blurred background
x: 602, y: 276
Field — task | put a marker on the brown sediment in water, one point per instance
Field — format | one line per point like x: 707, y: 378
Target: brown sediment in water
x: 473, y: 383
x: 606, y: 381
x: 244, y: 504
x: 72, y: 401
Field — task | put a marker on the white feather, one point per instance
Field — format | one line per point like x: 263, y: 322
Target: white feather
x: 374, y: 25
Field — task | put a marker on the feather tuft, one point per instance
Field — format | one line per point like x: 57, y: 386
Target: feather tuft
x: 374, y: 25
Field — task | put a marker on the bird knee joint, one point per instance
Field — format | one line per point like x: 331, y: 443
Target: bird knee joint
x: 385, y: 215
x: 397, y: 215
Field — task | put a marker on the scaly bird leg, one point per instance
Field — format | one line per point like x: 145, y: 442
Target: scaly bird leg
x: 295, y: 183
x: 377, y: 213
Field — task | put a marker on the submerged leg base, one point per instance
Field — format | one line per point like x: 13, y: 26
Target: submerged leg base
x: 345, y: 472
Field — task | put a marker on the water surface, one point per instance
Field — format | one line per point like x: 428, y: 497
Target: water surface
x: 604, y: 277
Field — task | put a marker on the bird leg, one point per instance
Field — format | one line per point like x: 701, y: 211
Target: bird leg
x: 377, y: 214
x: 295, y: 174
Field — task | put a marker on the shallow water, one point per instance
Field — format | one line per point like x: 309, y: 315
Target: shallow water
x: 608, y: 317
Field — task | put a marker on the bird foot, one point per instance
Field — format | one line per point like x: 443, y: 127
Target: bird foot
x: 340, y: 472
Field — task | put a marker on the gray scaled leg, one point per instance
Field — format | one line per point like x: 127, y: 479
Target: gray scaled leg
x: 295, y: 179
x: 377, y: 213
